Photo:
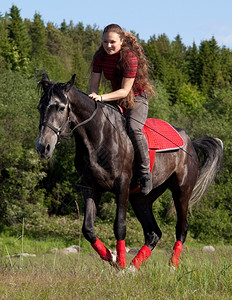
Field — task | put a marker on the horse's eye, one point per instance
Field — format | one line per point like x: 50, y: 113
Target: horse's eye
x: 61, y: 108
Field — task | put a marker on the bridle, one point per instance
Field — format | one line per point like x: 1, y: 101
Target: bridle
x: 59, y: 131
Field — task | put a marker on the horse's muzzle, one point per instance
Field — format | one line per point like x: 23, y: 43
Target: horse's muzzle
x: 44, y: 151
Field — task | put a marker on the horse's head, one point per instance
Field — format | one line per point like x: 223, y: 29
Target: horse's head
x: 54, y: 114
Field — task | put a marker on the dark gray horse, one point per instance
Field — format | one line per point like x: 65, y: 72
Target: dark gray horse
x: 104, y: 160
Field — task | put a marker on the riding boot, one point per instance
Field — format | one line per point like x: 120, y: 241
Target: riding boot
x: 143, y: 163
x: 136, y: 118
x: 145, y: 182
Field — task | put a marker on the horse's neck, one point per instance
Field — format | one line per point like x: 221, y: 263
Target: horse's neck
x: 81, y: 106
x: 96, y: 120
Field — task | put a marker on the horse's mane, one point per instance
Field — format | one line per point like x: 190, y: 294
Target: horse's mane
x: 52, y: 88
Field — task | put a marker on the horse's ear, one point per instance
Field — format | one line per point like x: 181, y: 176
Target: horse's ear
x: 45, y: 81
x: 70, y: 83
x: 45, y: 77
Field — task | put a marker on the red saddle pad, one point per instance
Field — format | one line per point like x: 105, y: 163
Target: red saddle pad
x: 161, y: 137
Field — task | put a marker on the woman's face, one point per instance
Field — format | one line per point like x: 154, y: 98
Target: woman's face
x: 112, y: 42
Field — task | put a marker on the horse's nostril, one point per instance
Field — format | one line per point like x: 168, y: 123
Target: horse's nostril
x: 48, y: 148
x: 40, y: 148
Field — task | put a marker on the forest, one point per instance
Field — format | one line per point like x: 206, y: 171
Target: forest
x: 193, y: 91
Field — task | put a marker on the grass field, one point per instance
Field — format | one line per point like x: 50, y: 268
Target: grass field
x: 201, y: 275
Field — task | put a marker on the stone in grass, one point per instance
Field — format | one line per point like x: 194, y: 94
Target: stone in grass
x: 70, y: 250
x: 23, y: 255
x: 208, y: 249
x: 54, y: 250
x: 133, y: 251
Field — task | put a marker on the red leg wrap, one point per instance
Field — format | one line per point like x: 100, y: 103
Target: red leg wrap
x: 178, y: 247
x: 143, y: 255
x: 121, y: 253
x: 102, y: 250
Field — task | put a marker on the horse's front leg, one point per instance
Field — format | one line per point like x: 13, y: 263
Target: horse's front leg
x: 91, y: 200
x: 120, y: 223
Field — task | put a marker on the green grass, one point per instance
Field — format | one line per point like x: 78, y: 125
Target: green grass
x: 84, y: 276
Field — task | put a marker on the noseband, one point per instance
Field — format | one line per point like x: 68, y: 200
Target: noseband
x: 57, y: 131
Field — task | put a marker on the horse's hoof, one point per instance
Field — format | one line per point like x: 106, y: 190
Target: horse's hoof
x: 173, y: 264
x: 173, y: 268
x: 132, y: 269
x: 113, y: 256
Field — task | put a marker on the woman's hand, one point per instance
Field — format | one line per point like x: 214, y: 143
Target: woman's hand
x: 95, y: 97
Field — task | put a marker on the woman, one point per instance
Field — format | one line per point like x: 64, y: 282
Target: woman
x: 121, y: 59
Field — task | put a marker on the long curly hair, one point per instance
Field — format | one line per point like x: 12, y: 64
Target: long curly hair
x: 130, y: 43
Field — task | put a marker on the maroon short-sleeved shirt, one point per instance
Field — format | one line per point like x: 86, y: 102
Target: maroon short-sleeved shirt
x: 107, y: 64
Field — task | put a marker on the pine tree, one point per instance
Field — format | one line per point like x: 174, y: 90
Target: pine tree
x: 80, y: 68
x: 20, y: 43
x: 64, y: 27
x: 226, y: 67
x: 209, y: 66
x: 38, y: 37
x: 156, y: 62
x: 54, y: 39
x: 192, y: 59
x: 178, y: 53
x: 18, y: 33
x: 163, y: 45
x: 4, y: 44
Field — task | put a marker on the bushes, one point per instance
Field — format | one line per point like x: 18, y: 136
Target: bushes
x: 25, y: 180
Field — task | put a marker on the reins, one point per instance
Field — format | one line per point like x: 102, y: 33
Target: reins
x: 59, y: 131
x: 87, y: 120
x: 116, y: 109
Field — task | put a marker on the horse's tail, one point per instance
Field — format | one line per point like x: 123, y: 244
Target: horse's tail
x: 210, y: 153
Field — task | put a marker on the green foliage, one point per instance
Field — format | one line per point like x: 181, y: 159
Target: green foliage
x: 159, y: 105
x: 18, y: 116
x: 20, y: 167
x: 191, y: 97
x: 38, y: 37
x: 80, y: 68
x: 209, y: 65
x: 20, y: 42
x: 18, y: 32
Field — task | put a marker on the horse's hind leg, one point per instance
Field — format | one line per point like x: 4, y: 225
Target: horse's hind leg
x: 152, y: 233
x: 181, y: 200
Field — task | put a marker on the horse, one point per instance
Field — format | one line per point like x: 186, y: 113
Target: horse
x: 105, y: 162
